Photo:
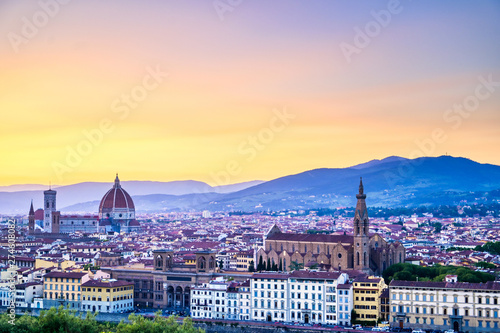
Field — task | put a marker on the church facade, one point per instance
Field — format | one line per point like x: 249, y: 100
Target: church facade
x: 362, y: 251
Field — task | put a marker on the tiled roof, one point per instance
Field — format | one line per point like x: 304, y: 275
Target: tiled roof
x: 72, y: 275
x: 314, y: 275
x: 490, y: 285
x: 319, y: 238
x: 106, y: 284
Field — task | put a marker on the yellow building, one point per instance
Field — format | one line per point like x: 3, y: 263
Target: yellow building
x: 108, y: 296
x: 243, y: 259
x: 61, y: 264
x: 367, y: 291
x: 63, y: 288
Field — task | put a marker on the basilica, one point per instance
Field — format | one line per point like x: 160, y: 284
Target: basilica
x: 116, y: 214
x: 362, y: 251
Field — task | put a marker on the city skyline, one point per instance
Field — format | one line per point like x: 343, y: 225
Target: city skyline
x: 170, y: 91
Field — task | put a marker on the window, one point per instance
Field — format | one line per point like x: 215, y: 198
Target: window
x: 432, y: 298
x: 444, y: 298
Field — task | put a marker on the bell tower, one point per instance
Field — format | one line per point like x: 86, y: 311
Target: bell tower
x: 49, y: 207
x: 361, y: 226
x: 31, y: 220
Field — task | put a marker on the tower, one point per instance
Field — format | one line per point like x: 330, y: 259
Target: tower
x: 49, y: 206
x: 31, y: 220
x: 361, y: 233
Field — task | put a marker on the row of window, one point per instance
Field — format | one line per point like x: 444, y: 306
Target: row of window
x: 455, y: 312
x: 456, y: 299
x: 56, y: 287
x: 107, y: 290
x: 121, y: 298
x: 50, y: 279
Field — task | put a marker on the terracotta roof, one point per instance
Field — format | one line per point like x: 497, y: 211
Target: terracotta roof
x: 279, y: 276
x: 490, y: 285
x: 318, y: 238
x: 72, y: 275
x: 314, y: 275
x: 39, y: 214
x: 116, y: 197
x: 106, y: 284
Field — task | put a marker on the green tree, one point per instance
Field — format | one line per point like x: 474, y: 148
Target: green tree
x: 260, y: 265
x: 280, y: 267
x: 251, y: 267
x: 295, y: 266
x: 268, y: 266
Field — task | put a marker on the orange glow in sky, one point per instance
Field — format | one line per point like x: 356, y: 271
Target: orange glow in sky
x: 159, y: 91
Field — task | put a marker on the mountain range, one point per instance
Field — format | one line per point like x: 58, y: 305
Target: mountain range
x: 390, y: 182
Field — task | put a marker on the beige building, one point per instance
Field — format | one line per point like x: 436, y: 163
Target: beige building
x: 460, y: 306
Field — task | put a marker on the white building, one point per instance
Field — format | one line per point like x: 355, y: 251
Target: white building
x: 345, y: 303
x: 210, y: 299
x: 459, y: 306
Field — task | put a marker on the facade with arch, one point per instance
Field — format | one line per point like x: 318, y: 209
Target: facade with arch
x: 168, y: 284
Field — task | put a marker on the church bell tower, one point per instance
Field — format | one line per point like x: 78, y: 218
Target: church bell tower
x: 361, y: 233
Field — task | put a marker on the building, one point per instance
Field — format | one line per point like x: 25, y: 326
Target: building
x: 367, y: 291
x: 117, y: 211
x: 210, y: 300
x: 26, y: 292
x: 116, y: 214
x: 459, y: 306
x: 107, y: 296
x: 363, y: 251
x: 270, y: 297
x: 301, y: 296
x: 167, y: 284
x: 244, y: 259
x: 63, y: 288
x: 245, y: 302
x: 345, y: 303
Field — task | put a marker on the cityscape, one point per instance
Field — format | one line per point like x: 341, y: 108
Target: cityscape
x: 235, y: 166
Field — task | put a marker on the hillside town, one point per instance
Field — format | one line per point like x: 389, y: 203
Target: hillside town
x: 280, y: 267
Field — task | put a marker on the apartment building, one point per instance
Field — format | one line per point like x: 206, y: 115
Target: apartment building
x: 108, y: 296
x: 210, y: 299
x: 63, y: 288
x: 270, y: 299
x: 460, y: 306
x: 367, y: 292
x: 345, y: 303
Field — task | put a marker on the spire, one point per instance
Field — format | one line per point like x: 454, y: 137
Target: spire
x: 117, y: 181
x: 32, y: 211
x: 361, y: 195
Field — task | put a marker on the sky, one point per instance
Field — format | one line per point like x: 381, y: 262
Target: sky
x: 233, y: 90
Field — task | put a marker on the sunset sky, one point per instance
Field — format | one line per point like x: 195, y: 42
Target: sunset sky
x: 204, y: 90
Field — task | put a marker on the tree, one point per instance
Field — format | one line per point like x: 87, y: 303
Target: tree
x: 260, y: 265
x: 295, y: 266
x: 251, y: 267
x: 280, y: 267
x: 269, y: 264
x: 221, y: 264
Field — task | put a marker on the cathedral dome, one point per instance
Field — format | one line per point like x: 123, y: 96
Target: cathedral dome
x: 117, y: 203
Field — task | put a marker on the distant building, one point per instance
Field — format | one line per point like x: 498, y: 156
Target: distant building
x: 116, y: 214
x: 363, y: 251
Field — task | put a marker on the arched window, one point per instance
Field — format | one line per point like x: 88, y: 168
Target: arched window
x: 364, y: 259
x: 357, y: 258
x: 318, y: 249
